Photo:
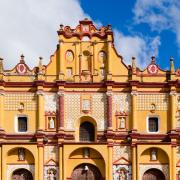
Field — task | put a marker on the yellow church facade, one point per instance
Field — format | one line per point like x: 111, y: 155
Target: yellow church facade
x: 88, y: 115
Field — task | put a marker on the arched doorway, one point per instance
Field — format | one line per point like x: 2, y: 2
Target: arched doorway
x: 86, y: 172
x: 153, y: 174
x: 87, y: 131
x: 22, y: 174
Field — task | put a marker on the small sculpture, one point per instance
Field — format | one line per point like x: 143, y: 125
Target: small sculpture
x: 21, y: 154
x: 153, y: 155
x: 51, y: 123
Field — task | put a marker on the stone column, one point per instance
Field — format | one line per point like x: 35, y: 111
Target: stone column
x: 134, y: 114
x: 60, y: 162
x: 1, y: 111
x: 40, y: 161
x: 134, y: 164
x: 41, y: 120
x: 1, y: 162
x: 172, y: 164
x: 61, y: 110
x: 109, y: 109
x: 173, y: 109
x: 110, y: 162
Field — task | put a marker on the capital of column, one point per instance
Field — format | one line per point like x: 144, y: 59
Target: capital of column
x: 109, y: 93
x: 173, y: 93
x: 40, y: 92
x: 134, y: 93
x: 60, y: 93
x: 2, y: 93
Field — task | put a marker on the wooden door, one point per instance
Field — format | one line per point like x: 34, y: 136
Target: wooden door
x: 92, y: 173
x: 153, y: 174
x: 22, y: 174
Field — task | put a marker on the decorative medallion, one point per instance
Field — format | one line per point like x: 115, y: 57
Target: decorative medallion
x: 85, y: 27
x: 69, y: 56
x: 21, y: 68
x: 102, y: 57
x: 152, y: 69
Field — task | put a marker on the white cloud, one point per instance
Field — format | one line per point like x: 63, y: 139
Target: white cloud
x: 140, y: 47
x: 30, y: 26
x: 159, y: 14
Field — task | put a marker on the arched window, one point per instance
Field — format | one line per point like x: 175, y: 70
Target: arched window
x: 87, y: 132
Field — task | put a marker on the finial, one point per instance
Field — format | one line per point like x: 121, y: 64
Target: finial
x: 1, y: 65
x: 153, y: 59
x: 109, y: 27
x: 22, y: 59
x: 133, y: 64
x: 86, y: 19
x: 61, y: 27
x: 40, y: 65
x: 172, y: 70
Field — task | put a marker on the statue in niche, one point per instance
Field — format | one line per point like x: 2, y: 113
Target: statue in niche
x: 85, y: 62
x: 122, y: 123
x: 153, y: 155
x: 51, y: 174
x: 21, y: 154
x: 51, y: 123
x: 122, y: 175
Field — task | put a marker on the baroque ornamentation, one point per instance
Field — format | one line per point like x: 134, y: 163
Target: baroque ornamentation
x: 126, y: 169
x: 144, y: 101
x: 72, y: 110
x: 50, y: 102
x: 121, y: 102
x: 12, y: 101
x: 121, y: 151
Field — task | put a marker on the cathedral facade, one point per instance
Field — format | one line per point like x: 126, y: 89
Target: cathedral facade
x: 88, y: 115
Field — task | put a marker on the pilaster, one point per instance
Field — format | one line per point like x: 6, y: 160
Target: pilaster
x: 61, y: 110
x: 134, y: 112
x: 1, y: 110
x: 40, y: 161
x: 61, y: 61
x: 41, y: 120
x: 61, y: 173
x: 109, y: 108
x: 110, y: 162
x: 134, y: 161
x: 173, y: 109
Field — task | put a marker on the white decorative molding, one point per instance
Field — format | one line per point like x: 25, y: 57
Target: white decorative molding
x: 173, y: 93
x: 40, y: 92
x: 50, y: 153
x: 46, y: 172
x: 145, y: 100
x: 121, y: 151
x: 12, y: 168
x: 134, y: 93
x: 117, y: 168
x: 60, y: 93
x: 51, y: 102
x: 109, y: 93
x: 164, y: 168
x: 72, y: 111
x: 121, y: 102
x: 12, y: 101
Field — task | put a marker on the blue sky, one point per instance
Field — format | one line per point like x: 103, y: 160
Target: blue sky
x: 142, y: 28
